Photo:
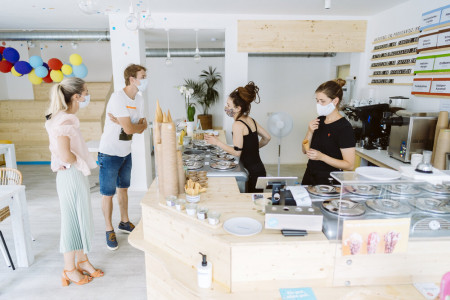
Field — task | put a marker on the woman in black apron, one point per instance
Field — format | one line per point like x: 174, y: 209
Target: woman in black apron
x: 246, y: 132
x: 330, y: 136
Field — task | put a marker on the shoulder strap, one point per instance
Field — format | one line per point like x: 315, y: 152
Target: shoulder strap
x: 256, y: 127
x: 249, y: 130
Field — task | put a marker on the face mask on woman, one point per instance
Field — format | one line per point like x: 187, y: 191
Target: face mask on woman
x: 86, y: 101
x: 325, y: 110
x: 143, y: 86
x: 230, y: 112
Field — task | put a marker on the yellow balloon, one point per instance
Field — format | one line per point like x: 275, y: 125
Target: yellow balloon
x: 75, y: 59
x: 15, y: 73
x: 56, y: 75
x: 66, y: 69
x: 33, y: 78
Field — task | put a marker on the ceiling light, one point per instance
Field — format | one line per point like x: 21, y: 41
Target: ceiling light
x: 213, y: 39
x: 327, y: 4
x: 87, y: 6
x: 168, y: 61
x: 197, y: 56
x: 31, y: 44
x: 74, y: 45
x: 149, y: 22
x: 131, y: 21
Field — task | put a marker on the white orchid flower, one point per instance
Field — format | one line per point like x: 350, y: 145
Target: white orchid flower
x: 191, y: 91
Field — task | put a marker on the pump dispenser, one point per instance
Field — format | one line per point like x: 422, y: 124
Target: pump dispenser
x: 204, y: 273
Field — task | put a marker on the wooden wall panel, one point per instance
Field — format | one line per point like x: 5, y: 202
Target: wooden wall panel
x: 301, y: 36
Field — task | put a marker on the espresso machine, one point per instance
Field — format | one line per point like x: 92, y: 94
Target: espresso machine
x: 366, y: 122
x: 410, y: 133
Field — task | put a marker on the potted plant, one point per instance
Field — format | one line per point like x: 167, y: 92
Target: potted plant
x: 191, y: 92
x: 209, y: 79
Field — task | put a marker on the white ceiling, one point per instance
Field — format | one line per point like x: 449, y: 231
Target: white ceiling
x: 65, y: 14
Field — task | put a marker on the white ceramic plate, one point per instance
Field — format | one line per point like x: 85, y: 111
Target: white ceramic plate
x: 242, y: 226
x: 377, y: 173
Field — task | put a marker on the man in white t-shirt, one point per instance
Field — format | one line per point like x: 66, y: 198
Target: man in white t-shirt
x: 125, y: 117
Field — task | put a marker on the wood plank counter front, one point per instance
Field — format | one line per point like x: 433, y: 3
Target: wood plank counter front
x: 256, y: 267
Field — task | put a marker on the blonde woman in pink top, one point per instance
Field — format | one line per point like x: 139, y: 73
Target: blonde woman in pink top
x: 72, y: 162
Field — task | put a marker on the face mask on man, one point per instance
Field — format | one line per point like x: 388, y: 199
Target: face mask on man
x: 86, y: 101
x: 143, y: 86
x: 325, y: 110
x: 230, y: 112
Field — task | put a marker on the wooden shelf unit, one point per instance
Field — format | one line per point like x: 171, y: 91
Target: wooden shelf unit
x: 434, y: 50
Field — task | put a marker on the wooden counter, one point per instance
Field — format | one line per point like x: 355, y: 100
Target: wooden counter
x: 256, y: 267
x: 379, y: 158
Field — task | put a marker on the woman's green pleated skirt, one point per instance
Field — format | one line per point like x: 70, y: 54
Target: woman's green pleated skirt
x: 77, y: 223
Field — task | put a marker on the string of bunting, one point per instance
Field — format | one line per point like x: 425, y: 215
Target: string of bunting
x: 37, y: 70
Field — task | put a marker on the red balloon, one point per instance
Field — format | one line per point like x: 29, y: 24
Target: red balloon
x: 1, y: 49
x: 47, y: 78
x: 5, y: 66
x: 55, y: 64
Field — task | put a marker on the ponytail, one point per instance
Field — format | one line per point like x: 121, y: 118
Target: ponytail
x: 61, y: 95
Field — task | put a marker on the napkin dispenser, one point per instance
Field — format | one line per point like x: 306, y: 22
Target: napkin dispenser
x: 293, y: 217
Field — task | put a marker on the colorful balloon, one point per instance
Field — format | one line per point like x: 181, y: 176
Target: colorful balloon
x: 55, y: 64
x: 1, y: 49
x: 47, y: 79
x: 41, y: 71
x: 80, y: 71
x: 36, y: 61
x: 33, y: 78
x: 75, y: 59
x: 5, y: 66
x: 1, y: 57
x: 56, y: 75
x: 66, y: 69
x: 15, y: 73
x: 23, y: 67
x: 11, y: 55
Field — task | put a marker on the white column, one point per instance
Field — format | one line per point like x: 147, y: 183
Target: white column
x: 236, y: 71
x: 128, y: 47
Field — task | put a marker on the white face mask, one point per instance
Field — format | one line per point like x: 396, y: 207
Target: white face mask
x: 325, y: 110
x: 143, y: 86
x: 86, y: 101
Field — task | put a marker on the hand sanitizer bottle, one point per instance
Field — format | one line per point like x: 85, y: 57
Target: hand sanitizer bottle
x: 204, y: 273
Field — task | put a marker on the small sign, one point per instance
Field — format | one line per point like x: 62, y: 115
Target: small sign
x: 421, y: 86
x: 424, y: 64
x: 375, y: 236
x: 297, y: 293
x: 442, y: 63
x: 443, y: 39
x: 440, y: 86
x: 430, y: 19
x: 445, y: 15
x: 427, y: 42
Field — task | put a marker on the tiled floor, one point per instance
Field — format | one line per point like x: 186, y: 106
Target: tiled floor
x: 124, y: 268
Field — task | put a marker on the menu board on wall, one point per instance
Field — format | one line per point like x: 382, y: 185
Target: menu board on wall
x: 440, y: 87
x: 427, y: 42
x: 421, y: 86
x: 443, y: 38
x: 424, y: 64
x: 442, y: 63
x: 435, y: 17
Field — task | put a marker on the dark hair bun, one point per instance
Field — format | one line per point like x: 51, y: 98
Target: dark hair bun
x: 249, y: 92
x: 340, y: 81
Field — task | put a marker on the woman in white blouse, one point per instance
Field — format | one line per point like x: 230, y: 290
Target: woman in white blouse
x: 72, y: 162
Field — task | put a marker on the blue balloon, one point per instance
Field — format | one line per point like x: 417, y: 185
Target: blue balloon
x: 11, y: 55
x: 80, y: 71
x: 41, y: 71
x: 1, y: 56
x: 46, y: 65
x: 22, y: 67
x: 36, y: 61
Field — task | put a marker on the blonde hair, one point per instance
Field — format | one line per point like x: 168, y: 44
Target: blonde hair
x: 61, y: 94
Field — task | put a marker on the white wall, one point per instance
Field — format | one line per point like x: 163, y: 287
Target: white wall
x: 403, y: 16
x: 287, y: 85
x: 163, y: 81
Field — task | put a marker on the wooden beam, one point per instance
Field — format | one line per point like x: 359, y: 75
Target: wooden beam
x: 301, y: 36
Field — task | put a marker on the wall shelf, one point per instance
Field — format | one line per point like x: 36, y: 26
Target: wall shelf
x: 392, y: 66
x: 430, y: 96
x: 389, y: 57
x: 410, y: 84
x: 391, y: 75
x: 436, y: 27
x: 396, y: 37
x: 434, y: 50
x: 404, y: 45
x: 432, y: 73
